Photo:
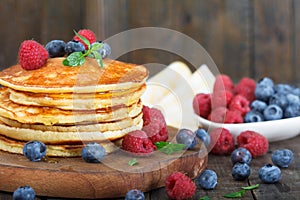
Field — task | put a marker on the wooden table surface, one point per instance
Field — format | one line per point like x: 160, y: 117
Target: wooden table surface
x: 287, y: 188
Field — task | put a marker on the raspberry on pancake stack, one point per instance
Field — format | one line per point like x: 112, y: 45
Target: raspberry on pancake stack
x: 65, y: 107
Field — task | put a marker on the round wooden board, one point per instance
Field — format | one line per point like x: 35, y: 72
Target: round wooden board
x: 74, y: 178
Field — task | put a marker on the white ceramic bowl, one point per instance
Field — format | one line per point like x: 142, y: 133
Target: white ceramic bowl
x: 273, y: 130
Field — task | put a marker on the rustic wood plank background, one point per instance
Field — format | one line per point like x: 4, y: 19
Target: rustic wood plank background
x: 253, y: 38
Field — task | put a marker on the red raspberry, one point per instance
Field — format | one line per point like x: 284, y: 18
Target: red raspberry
x: 223, y: 82
x: 179, y: 186
x: 240, y: 103
x: 233, y: 117
x: 246, y: 88
x: 32, y: 55
x: 88, y: 34
x: 223, y: 141
x: 138, y: 142
x: 254, y: 142
x: 154, y: 125
x: 202, y: 104
x: 221, y: 98
x: 218, y: 115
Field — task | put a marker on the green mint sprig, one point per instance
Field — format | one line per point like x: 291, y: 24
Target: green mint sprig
x: 240, y: 193
x: 204, y: 198
x: 169, y: 148
x: 132, y: 162
x: 77, y: 58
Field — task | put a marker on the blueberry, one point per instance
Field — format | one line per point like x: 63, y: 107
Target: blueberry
x: 282, y: 157
x: 266, y: 82
x: 24, y: 193
x: 74, y: 46
x: 263, y: 92
x: 273, y: 112
x: 292, y: 110
x: 93, y: 152
x: 241, y: 155
x: 240, y: 171
x: 253, y: 116
x: 34, y: 150
x: 56, y: 48
x: 105, y: 50
x: 135, y: 194
x: 279, y: 100
x: 208, y: 179
x: 258, y: 105
x: 283, y: 88
x: 269, y: 173
x: 296, y: 91
x: 203, y: 136
x: 186, y: 137
x: 293, y: 99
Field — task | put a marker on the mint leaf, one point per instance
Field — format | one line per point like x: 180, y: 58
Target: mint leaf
x: 74, y: 59
x: 169, y: 148
x: 204, y: 198
x: 96, y: 46
x: 235, y: 194
x: 251, y: 187
x: 83, y: 39
x: 132, y: 162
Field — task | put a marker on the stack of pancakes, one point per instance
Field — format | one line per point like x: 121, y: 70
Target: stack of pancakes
x: 66, y: 107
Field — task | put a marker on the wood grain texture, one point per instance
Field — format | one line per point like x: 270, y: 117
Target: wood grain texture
x: 74, y: 178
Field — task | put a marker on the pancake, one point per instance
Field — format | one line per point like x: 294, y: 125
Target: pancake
x: 51, y: 115
x: 63, y: 150
x: 53, y: 137
x: 101, y: 127
x: 84, y: 101
x: 54, y: 77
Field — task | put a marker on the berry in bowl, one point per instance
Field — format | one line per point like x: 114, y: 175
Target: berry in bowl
x: 268, y: 108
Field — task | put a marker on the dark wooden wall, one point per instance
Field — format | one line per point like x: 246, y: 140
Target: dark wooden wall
x: 253, y: 38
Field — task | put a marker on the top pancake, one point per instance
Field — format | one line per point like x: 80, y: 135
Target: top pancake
x: 54, y: 77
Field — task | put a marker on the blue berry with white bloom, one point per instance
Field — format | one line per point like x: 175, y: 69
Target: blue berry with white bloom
x: 203, y: 136
x: 208, y: 179
x: 74, y: 46
x: 34, y: 150
x: 240, y: 171
x: 284, y: 89
x: 273, y: 112
x: 24, y: 193
x: 279, y: 100
x: 93, y: 152
x: 241, y: 155
x: 56, y: 48
x: 266, y: 81
x: 263, y: 92
x: 186, y: 137
x: 253, y: 116
x: 292, y: 110
x: 134, y: 194
x: 258, y: 105
x: 282, y: 157
x: 269, y: 173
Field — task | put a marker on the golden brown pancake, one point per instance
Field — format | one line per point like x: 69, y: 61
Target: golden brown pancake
x: 54, y: 77
x: 51, y: 115
x: 81, y: 101
x: 59, y: 150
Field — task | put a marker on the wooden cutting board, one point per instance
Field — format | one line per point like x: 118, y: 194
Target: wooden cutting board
x: 74, y: 178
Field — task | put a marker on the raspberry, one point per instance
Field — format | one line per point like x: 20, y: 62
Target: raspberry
x: 32, y: 55
x: 223, y: 141
x: 218, y: 115
x: 202, y: 104
x: 88, y: 34
x: 223, y: 82
x: 138, y: 142
x: 179, y: 186
x: 221, y: 98
x: 240, y: 103
x: 246, y: 88
x: 254, y: 142
x: 233, y: 117
x: 154, y: 125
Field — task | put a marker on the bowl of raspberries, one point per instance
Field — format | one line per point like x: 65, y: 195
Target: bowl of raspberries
x: 272, y: 109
